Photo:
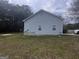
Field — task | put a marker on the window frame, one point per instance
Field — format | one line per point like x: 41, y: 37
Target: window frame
x: 54, y: 27
x: 39, y: 28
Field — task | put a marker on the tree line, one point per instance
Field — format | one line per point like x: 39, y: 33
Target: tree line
x: 12, y: 16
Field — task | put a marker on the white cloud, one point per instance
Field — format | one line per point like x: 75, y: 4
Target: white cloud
x: 20, y: 2
x: 38, y: 4
x: 49, y: 5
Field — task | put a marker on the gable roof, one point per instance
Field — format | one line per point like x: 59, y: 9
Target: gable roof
x: 45, y: 12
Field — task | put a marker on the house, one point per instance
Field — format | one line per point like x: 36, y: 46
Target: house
x: 43, y: 23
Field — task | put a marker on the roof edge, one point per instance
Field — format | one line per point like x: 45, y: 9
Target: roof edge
x: 41, y: 11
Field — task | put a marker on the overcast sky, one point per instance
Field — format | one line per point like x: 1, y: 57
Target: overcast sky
x: 55, y: 6
x: 49, y: 5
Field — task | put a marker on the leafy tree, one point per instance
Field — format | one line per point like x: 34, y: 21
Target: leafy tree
x: 73, y: 10
x: 11, y: 16
x: 71, y: 26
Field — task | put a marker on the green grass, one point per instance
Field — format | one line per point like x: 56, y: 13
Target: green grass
x: 39, y: 47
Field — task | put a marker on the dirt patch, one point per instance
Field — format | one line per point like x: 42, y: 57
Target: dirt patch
x: 6, y: 34
x: 71, y: 34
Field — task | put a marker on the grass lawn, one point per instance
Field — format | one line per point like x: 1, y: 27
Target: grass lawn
x: 18, y: 46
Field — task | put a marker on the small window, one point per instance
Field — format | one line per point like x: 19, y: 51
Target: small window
x: 54, y: 27
x: 27, y: 30
x: 39, y: 28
